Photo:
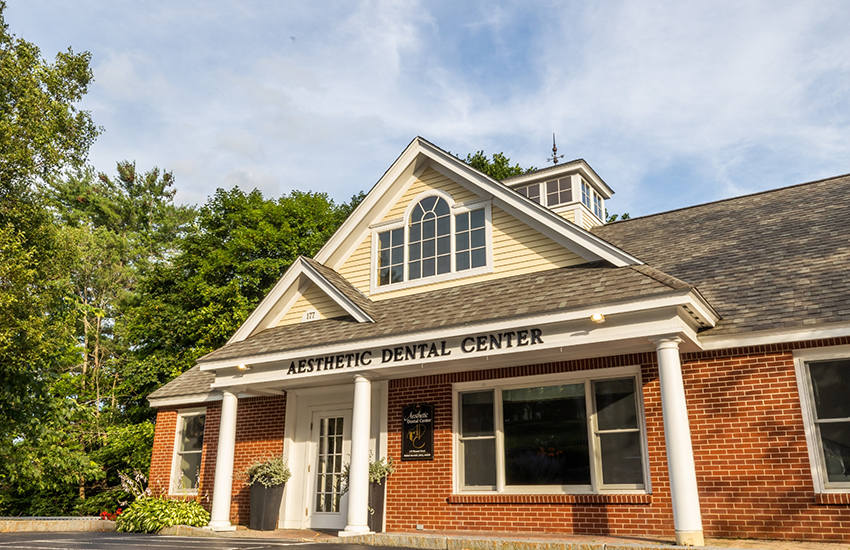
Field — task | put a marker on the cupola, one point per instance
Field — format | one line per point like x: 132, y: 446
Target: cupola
x: 572, y: 190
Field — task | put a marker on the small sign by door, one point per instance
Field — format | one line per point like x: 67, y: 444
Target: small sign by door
x: 417, y: 428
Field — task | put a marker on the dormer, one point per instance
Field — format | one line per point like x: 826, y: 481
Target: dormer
x: 572, y: 190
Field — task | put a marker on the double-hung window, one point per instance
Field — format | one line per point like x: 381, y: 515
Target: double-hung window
x: 188, y: 448
x: 825, y: 381
x: 552, y: 434
x: 436, y: 240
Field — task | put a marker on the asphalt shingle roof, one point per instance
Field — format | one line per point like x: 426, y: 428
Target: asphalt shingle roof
x: 533, y: 293
x: 771, y: 260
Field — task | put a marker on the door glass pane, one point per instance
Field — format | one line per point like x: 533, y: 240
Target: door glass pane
x: 546, y: 440
x: 479, y: 462
x: 831, y: 388
x: 621, y: 458
x: 615, y: 404
x: 329, y: 464
x: 836, y: 450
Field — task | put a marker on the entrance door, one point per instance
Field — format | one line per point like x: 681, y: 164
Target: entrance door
x: 330, y: 449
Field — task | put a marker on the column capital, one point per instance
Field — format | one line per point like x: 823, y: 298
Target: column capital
x: 667, y: 341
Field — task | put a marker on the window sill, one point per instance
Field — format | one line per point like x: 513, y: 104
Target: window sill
x: 832, y: 498
x: 552, y: 499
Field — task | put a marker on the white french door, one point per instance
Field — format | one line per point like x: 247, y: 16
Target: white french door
x: 330, y: 450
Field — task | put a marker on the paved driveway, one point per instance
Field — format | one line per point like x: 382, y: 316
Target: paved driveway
x: 128, y: 541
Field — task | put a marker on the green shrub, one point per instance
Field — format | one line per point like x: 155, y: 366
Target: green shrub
x: 150, y: 514
x: 270, y: 472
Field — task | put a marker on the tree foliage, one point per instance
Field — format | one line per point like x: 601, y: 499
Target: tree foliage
x: 239, y: 246
x: 498, y: 168
x: 41, y: 129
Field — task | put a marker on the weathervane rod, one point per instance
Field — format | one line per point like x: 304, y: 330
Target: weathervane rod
x: 555, y: 155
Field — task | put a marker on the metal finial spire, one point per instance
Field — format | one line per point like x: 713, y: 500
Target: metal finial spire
x: 555, y: 155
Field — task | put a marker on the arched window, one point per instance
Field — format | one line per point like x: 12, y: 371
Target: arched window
x: 436, y: 239
x: 430, y: 239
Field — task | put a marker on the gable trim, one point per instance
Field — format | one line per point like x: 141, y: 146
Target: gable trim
x: 421, y: 154
x: 291, y: 277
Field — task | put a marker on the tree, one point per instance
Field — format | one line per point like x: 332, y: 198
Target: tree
x: 41, y: 130
x: 499, y: 168
x: 614, y: 217
x: 240, y: 246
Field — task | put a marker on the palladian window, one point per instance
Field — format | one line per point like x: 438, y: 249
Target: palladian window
x: 437, y: 239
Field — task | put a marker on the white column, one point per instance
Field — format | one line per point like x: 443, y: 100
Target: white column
x: 220, y: 516
x: 358, y: 474
x: 677, y: 437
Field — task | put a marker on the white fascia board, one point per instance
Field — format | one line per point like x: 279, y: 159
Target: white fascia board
x: 667, y: 300
x: 159, y: 402
x: 781, y: 336
x: 331, y: 290
x: 403, y: 165
x: 262, y: 310
x: 565, y: 233
x: 638, y: 329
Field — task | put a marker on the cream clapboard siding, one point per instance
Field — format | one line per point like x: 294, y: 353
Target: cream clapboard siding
x: 569, y: 215
x: 313, y: 298
x: 430, y: 179
x: 517, y: 248
x: 356, y: 268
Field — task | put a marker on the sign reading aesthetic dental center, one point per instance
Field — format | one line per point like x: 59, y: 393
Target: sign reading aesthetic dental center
x: 417, y: 432
x: 492, y: 343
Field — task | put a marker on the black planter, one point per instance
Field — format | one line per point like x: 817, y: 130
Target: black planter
x: 265, y: 506
x: 377, y: 492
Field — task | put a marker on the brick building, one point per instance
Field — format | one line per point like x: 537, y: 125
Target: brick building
x: 529, y: 367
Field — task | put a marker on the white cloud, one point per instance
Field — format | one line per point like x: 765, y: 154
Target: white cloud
x: 673, y: 103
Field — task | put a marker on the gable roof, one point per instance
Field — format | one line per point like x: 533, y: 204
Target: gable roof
x: 767, y: 261
x: 329, y: 281
x: 421, y: 153
x: 418, y: 155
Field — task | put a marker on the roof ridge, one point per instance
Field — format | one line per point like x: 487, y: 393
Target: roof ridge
x: 729, y: 199
x: 663, y: 278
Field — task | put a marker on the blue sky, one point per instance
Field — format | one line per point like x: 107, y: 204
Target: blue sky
x: 672, y: 103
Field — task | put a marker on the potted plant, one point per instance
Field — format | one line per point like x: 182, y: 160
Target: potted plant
x: 266, y: 478
x: 379, y: 470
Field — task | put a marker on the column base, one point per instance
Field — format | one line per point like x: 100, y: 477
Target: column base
x: 689, y: 538
x: 352, y: 530
x: 220, y: 526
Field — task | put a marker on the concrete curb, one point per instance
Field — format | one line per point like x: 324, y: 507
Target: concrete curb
x: 438, y: 542
x: 8, y: 525
x: 187, y: 531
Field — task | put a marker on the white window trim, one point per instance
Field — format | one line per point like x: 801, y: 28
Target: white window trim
x: 455, y: 208
x: 174, y: 488
x: 549, y: 379
x: 576, y: 203
x: 813, y: 444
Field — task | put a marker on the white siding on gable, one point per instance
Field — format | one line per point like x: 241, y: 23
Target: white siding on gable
x: 313, y: 298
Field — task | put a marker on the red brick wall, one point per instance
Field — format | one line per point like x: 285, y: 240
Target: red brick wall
x: 749, y: 447
x: 259, y: 434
